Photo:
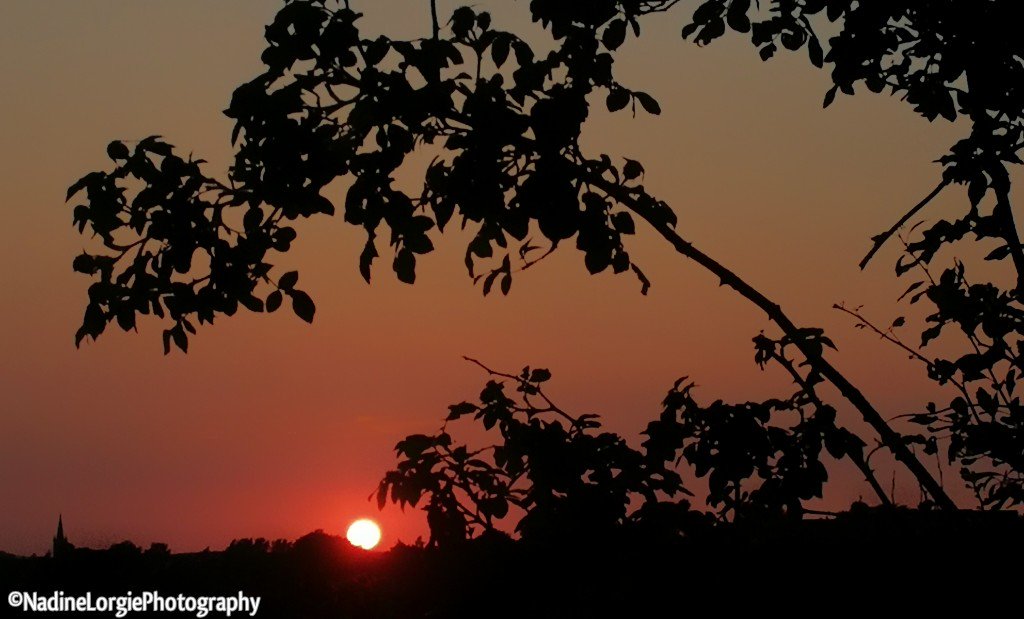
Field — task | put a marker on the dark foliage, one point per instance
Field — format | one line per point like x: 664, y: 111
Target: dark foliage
x: 554, y: 476
x: 503, y: 122
x: 981, y: 429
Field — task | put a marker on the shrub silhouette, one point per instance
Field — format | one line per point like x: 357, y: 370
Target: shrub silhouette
x: 563, y: 480
x: 568, y: 480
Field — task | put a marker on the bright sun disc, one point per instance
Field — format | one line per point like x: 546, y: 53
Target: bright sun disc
x: 363, y: 533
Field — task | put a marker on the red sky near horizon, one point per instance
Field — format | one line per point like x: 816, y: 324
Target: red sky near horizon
x: 272, y: 428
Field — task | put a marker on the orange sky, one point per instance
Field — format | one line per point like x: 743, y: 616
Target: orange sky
x: 273, y: 428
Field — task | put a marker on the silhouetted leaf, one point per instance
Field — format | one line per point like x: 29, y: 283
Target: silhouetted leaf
x: 274, y: 300
x: 84, y: 263
x: 251, y: 303
x: 632, y: 170
x: 648, y: 103
x: 999, y: 253
x: 405, y: 266
x: 489, y: 281
x: 614, y: 34
x: 623, y: 223
x: 483, y: 21
x: 930, y: 334
x: 500, y: 50
x: 419, y: 244
x: 645, y: 284
x: 366, y: 259
x: 618, y: 99
x: 815, y: 52
x: 737, y: 15
x: 463, y: 20
x: 458, y: 410
x: 288, y: 280
x: 179, y: 337
x: 910, y: 289
x: 156, y: 146
x: 117, y: 150
x: 830, y: 96
x: 302, y: 305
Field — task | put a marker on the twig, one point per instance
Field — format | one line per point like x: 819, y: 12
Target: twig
x: 433, y: 17
x: 885, y: 236
x: 552, y: 407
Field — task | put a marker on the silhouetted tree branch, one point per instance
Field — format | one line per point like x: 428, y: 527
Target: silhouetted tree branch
x: 856, y: 455
x: 433, y: 19
x: 1003, y: 212
x: 811, y: 350
x: 511, y: 161
x: 881, y: 239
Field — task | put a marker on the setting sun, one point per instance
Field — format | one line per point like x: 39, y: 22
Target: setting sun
x: 363, y: 533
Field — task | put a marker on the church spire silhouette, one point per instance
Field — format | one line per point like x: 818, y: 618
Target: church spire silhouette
x: 61, y: 546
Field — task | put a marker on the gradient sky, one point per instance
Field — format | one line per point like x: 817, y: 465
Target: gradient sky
x: 271, y: 427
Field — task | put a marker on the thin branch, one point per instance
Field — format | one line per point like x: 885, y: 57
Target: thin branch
x: 915, y: 355
x: 1004, y: 212
x: 529, y: 263
x: 433, y: 18
x: 885, y: 236
x: 887, y: 336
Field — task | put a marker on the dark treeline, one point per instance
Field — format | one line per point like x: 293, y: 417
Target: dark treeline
x: 803, y: 566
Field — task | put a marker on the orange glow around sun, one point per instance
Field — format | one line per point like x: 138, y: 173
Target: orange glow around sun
x: 363, y: 533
